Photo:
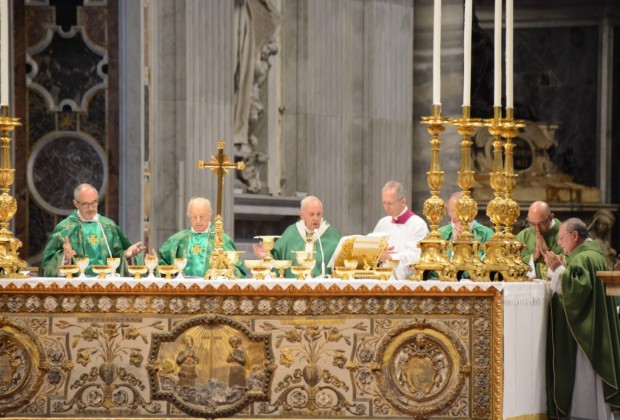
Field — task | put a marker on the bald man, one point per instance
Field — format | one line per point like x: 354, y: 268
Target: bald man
x: 304, y: 236
x: 540, y: 237
x: 86, y: 233
x: 196, y: 242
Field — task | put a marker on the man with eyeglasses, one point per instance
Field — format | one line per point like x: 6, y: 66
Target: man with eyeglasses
x: 86, y: 233
x: 583, y: 354
x: 196, y: 242
x: 540, y: 237
x: 403, y: 228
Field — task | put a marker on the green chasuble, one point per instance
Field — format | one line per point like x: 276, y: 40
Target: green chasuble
x: 292, y: 240
x: 197, y: 248
x: 88, y: 239
x: 582, y: 316
x: 480, y: 231
x: 528, y: 237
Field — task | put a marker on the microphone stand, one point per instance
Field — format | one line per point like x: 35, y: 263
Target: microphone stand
x: 322, y: 254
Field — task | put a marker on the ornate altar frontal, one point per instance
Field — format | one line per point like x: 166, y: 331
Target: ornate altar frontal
x: 251, y: 349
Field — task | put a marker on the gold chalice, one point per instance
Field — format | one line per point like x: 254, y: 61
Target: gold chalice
x: 82, y: 264
x: 68, y: 270
x: 168, y: 270
x: 303, y: 255
x: 268, y: 243
x: 181, y: 263
x: 258, y: 269
x: 301, y: 271
x: 345, y: 273
x: 281, y: 265
x: 114, y: 263
x: 101, y: 270
x: 151, y: 264
x: 137, y: 271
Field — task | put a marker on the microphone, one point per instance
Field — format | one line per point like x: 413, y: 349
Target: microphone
x: 322, y: 255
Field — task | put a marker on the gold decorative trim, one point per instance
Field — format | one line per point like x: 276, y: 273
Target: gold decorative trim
x: 23, y: 365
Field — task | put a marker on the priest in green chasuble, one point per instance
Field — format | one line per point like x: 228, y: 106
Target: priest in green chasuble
x: 541, y: 236
x: 85, y: 233
x: 583, y: 350
x: 310, y: 233
x: 453, y: 230
x: 196, y: 242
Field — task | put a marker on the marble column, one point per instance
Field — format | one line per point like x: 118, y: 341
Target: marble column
x: 347, y: 83
x: 192, y: 99
x: 132, y: 117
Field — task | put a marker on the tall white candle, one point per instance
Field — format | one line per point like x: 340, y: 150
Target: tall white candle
x: 437, y: 53
x: 4, y: 57
x: 467, y: 53
x: 509, y: 54
x: 497, y: 97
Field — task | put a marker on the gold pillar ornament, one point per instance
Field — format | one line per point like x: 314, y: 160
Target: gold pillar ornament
x: 10, y: 263
x: 220, y: 264
x: 510, y: 129
x: 434, y: 256
x: 497, y: 261
x: 465, y: 255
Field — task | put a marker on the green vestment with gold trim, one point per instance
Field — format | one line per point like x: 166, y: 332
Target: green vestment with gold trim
x: 197, y: 248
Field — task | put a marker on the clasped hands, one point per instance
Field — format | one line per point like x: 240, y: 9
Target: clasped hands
x: 552, y: 260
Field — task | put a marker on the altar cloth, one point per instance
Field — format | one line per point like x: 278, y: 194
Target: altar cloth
x: 524, y: 307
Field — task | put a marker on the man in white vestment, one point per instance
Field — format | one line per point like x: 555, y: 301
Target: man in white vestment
x: 403, y: 229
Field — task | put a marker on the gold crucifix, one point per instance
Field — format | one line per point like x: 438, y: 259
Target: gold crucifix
x: 220, y: 165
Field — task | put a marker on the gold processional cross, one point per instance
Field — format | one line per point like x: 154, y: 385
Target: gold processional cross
x: 220, y: 165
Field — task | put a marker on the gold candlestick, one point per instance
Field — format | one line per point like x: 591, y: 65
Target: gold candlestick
x: 433, y: 256
x: 10, y: 263
x: 510, y: 129
x: 465, y: 248
x: 496, y: 261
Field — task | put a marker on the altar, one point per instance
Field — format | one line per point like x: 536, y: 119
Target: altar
x: 283, y: 348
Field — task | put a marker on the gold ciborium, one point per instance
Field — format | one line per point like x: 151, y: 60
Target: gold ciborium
x: 232, y: 257
x: 344, y: 272
x: 281, y: 266
x: 101, y: 270
x: 258, y: 268
x: 301, y: 271
x: 68, y: 270
x: 82, y: 264
x: 151, y: 264
x: 303, y: 255
x: 351, y: 264
x: 268, y: 243
x: 114, y: 263
x: 168, y: 270
x: 180, y: 263
x: 137, y: 271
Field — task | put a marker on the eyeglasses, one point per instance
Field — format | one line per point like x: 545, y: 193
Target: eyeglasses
x: 86, y: 206
x: 561, y: 237
x: 539, y: 224
x: 198, y: 217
